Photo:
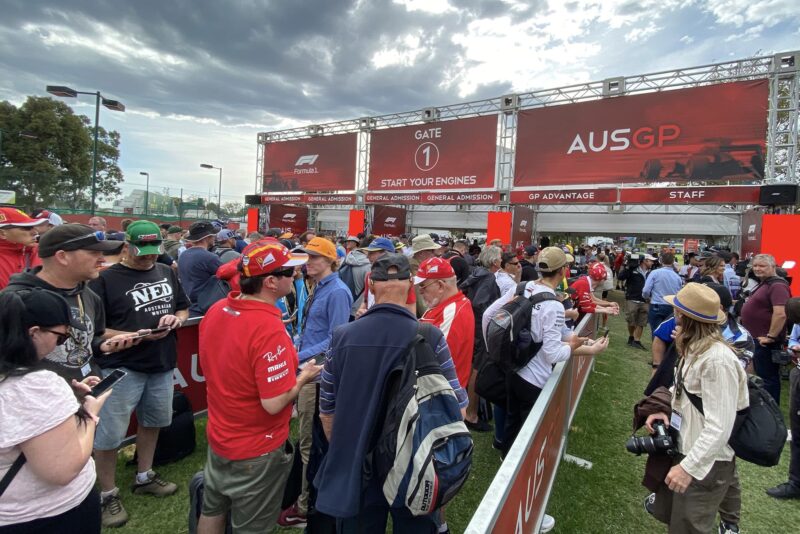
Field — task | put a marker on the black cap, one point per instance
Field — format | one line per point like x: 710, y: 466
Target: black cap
x: 74, y: 237
x: 47, y: 308
x: 531, y: 250
x: 274, y: 232
x: 380, y: 269
x: 199, y: 230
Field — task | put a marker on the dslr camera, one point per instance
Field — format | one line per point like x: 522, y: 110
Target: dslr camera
x: 659, y: 442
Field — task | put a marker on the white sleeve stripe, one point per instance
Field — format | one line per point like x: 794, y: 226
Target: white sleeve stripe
x: 447, y: 319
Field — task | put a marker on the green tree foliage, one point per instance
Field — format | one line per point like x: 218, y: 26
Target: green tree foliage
x: 54, y: 169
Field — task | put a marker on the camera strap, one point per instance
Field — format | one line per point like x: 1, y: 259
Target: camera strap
x: 12, y: 472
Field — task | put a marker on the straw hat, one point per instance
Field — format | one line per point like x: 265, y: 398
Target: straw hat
x: 699, y: 302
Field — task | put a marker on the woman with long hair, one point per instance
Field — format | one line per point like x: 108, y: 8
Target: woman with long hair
x: 713, y: 270
x: 710, y: 387
x: 48, y: 427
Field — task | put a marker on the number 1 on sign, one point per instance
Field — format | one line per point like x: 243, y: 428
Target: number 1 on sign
x: 427, y: 156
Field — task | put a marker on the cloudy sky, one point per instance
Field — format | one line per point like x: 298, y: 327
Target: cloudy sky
x: 201, y: 78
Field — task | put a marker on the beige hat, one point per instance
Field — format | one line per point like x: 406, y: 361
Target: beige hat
x: 699, y: 302
x: 424, y: 242
x: 552, y: 259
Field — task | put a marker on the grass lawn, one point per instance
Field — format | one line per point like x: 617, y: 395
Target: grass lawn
x: 606, y: 499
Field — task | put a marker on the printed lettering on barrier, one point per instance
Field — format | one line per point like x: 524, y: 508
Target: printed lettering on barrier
x: 710, y: 133
x: 453, y: 154
x: 527, y: 497
x: 289, y: 218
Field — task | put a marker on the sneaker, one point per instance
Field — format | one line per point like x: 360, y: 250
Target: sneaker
x: 728, y: 528
x: 548, y: 523
x: 155, y: 485
x: 637, y: 345
x: 113, y: 513
x: 650, y: 503
x: 291, y: 517
x: 630, y: 341
x: 787, y: 490
x: 479, y: 426
x: 496, y: 445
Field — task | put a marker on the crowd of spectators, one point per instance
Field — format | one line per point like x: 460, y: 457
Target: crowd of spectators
x: 309, y: 326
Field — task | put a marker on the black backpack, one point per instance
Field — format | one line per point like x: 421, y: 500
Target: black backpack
x: 346, y: 276
x: 482, y: 290
x: 759, y: 432
x: 178, y: 440
x: 509, y: 344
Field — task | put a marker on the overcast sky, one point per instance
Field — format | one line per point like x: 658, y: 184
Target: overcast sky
x: 201, y: 78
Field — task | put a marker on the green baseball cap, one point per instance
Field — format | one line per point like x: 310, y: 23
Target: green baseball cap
x: 144, y: 238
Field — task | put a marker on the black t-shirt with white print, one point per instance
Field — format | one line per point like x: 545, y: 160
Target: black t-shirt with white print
x: 134, y: 300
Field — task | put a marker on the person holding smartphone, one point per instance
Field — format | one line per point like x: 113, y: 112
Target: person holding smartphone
x: 47, y: 474
x: 144, y: 300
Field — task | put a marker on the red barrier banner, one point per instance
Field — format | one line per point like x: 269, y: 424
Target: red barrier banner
x: 315, y: 164
x: 188, y: 376
x: 498, y: 226
x: 252, y: 220
x: 565, y: 196
x: 779, y: 238
x: 389, y: 221
x: 456, y: 154
x: 715, y: 132
x: 356, y: 222
x: 309, y: 199
x: 527, y: 496
x: 751, y: 233
x: 289, y: 218
x: 521, y: 227
x: 691, y: 245
x: 745, y: 194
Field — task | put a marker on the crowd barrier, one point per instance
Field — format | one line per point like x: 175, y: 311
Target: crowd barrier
x: 517, y: 497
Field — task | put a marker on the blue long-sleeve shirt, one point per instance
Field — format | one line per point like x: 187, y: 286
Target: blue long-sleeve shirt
x: 329, y: 308
x: 663, y: 281
x: 794, y: 338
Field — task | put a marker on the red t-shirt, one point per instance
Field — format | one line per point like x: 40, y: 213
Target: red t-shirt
x: 454, y: 317
x: 583, y: 295
x: 246, y: 355
x: 757, y: 309
x: 412, y: 295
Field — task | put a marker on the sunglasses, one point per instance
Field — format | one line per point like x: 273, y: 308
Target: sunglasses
x: 98, y: 236
x: 61, y: 337
x: 423, y: 287
x: 512, y: 263
x: 285, y: 273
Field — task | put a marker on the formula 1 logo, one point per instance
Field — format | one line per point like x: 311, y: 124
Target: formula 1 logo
x: 523, y: 224
x: 390, y: 220
x: 289, y: 217
x: 308, y: 159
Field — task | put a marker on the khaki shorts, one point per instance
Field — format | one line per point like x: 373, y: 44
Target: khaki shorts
x: 636, y: 313
x: 252, y: 489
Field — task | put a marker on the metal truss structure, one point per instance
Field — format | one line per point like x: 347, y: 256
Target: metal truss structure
x: 782, y: 71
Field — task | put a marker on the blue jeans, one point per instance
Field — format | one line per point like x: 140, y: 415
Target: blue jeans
x: 657, y: 314
x: 373, y: 519
x: 770, y: 372
x: 499, y: 423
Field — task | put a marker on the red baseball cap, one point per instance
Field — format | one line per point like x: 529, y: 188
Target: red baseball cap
x: 15, y: 217
x: 434, y: 269
x: 266, y: 256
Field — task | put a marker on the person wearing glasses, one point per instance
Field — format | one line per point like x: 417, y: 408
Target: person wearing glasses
x: 250, y: 366
x: 72, y: 254
x: 18, y: 250
x: 47, y: 474
x: 509, y: 273
x: 138, y: 295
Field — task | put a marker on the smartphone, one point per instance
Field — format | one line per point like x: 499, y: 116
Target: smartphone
x: 149, y: 331
x: 320, y: 358
x: 107, y: 383
x: 603, y: 332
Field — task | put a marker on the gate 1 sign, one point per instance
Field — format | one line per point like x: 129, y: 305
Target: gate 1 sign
x: 389, y: 221
x: 456, y: 154
x: 326, y: 163
x: 715, y: 132
x: 289, y: 218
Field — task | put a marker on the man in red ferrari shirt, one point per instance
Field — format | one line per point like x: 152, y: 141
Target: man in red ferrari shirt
x: 585, y: 286
x: 250, y: 367
x: 449, y: 310
x: 18, y: 249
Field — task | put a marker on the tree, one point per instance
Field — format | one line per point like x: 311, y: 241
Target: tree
x: 54, y: 169
x: 233, y: 209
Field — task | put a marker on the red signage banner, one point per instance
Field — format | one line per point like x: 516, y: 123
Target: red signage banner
x: 457, y: 154
x: 389, y: 221
x: 751, y: 233
x: 325, y: 163
x: 289, y: 218
x: 521, y: 227
x: 715, y: 132
x: 309, y: 199
x: 745, y: 194
x: 355, y: 224
x: 482, y: 197
x: 253, y: 215
x: 565, y: 196
x: 498, y: 226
